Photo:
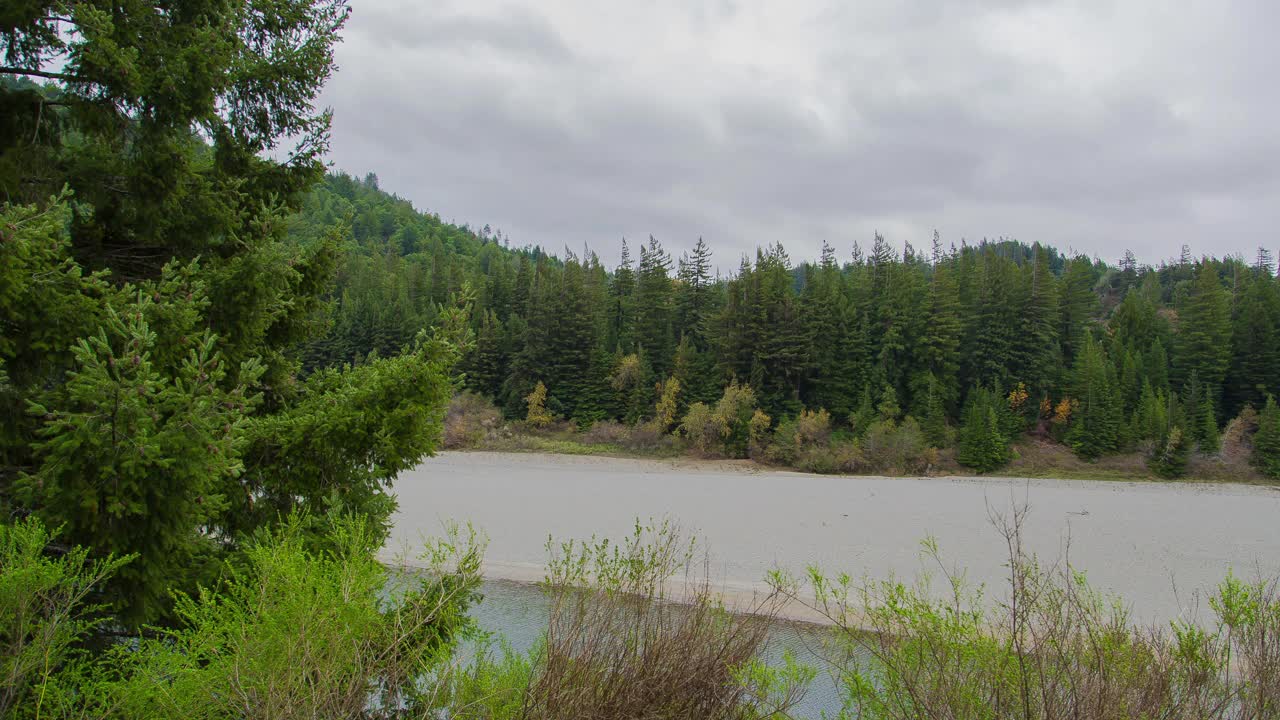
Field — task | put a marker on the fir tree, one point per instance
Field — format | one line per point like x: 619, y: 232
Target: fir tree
x: 1095, y: 424
x: 1266, y: 441
x: 1170, y: 458
x: 1204, y: 330
x: 981, y: 446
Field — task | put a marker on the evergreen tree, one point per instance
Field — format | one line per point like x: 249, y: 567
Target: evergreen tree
x: 1170, y: 458
x: 654, y: 309
x: 1079, y: 305
x: 980, y: 445
x: 1095, y: 424
x: 1204, y: 330
x: 1266, y: 441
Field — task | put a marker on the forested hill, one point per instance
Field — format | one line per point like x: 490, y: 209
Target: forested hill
x: 1107, y: 357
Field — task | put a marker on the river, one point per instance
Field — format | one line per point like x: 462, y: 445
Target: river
x: 1161, y: 546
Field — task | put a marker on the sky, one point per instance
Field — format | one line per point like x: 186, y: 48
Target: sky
x: 1094, y: 126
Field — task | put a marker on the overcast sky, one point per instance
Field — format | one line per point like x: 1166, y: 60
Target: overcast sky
x: 1094, y: 125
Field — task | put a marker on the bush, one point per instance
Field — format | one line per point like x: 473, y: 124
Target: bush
x: 813, y: 427
x: 607, y: 432
x: 298, y: 631
x: 728, y: 427
x: 617, y: 647
x: 309, y: 633
x: 470, y: 420
x: 890, y: 447
x: 45, y: 617
x: 702, y: 428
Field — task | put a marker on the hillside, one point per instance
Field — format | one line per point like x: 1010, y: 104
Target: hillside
x: 1104, y: 359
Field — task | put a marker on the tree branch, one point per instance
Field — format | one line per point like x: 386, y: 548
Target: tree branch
x: 39, y: 73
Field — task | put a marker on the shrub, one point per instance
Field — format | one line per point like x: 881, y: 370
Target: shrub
x: 702, y: 427
x: 617, y: 647
x: 813, y: 427
x: 728, y: 427
x: 470, y: 420
x: 606, y: 432
x: 900, y: 448
x: 309, y: 633
x: 44, y: 617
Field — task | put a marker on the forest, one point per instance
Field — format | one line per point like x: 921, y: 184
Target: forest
x: 967, y: 347
x: 216, y: 361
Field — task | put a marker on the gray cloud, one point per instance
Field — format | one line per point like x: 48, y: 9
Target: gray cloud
x: 1089, y: 124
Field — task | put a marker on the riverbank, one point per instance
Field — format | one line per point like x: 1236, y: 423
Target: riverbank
x: 1031, y: 459
x: 1160, y: 546
x: 814, y: 444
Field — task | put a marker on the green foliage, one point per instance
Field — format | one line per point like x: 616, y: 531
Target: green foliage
x: 322, y: 633
x: 728, y: 427
x: 1096, y: 421
x: 914, y: 330
x: 47, y: 612
x: 1266, y: 441
x: 981, y: 444
x: 135, y: 454
x: 1169, y: 459
x: 340, y: 446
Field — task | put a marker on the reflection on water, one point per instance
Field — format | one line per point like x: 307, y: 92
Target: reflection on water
x: 517, y: 614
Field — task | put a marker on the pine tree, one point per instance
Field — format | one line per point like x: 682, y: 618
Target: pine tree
x: 1095, y: 424
x: 941, y: 343
x: 1266, y: 441
x: 654, y: 307
x: 980, y: 445
x: 1079, y: 305
x: 1035, y: 351
x: 1204, y: 330
x: 1170, y: 458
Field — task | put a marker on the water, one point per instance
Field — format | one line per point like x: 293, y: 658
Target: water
x: 1160, y: 546
x: 518, y: 611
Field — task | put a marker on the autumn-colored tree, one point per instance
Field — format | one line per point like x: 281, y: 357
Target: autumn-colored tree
x: 536, y: 401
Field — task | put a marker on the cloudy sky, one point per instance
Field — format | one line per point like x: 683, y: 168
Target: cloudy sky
x: 1095, y: 125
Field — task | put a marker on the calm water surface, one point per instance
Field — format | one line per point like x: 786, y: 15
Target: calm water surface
x: 1160, y: 545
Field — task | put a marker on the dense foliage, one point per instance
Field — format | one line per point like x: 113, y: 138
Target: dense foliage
x: 1102, y: 358
x: 153, y: 308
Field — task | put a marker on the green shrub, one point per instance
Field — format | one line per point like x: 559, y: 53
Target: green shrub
x: 301, y: 632
x: 46, y: 614
x: 891, y: 447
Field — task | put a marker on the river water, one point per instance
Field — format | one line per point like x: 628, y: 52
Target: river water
x: 1161, y: 546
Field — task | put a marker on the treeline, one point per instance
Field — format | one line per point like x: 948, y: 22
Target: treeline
x: 1011, y: 337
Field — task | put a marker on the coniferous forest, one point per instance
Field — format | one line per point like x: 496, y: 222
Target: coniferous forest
x: 971, y: 346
